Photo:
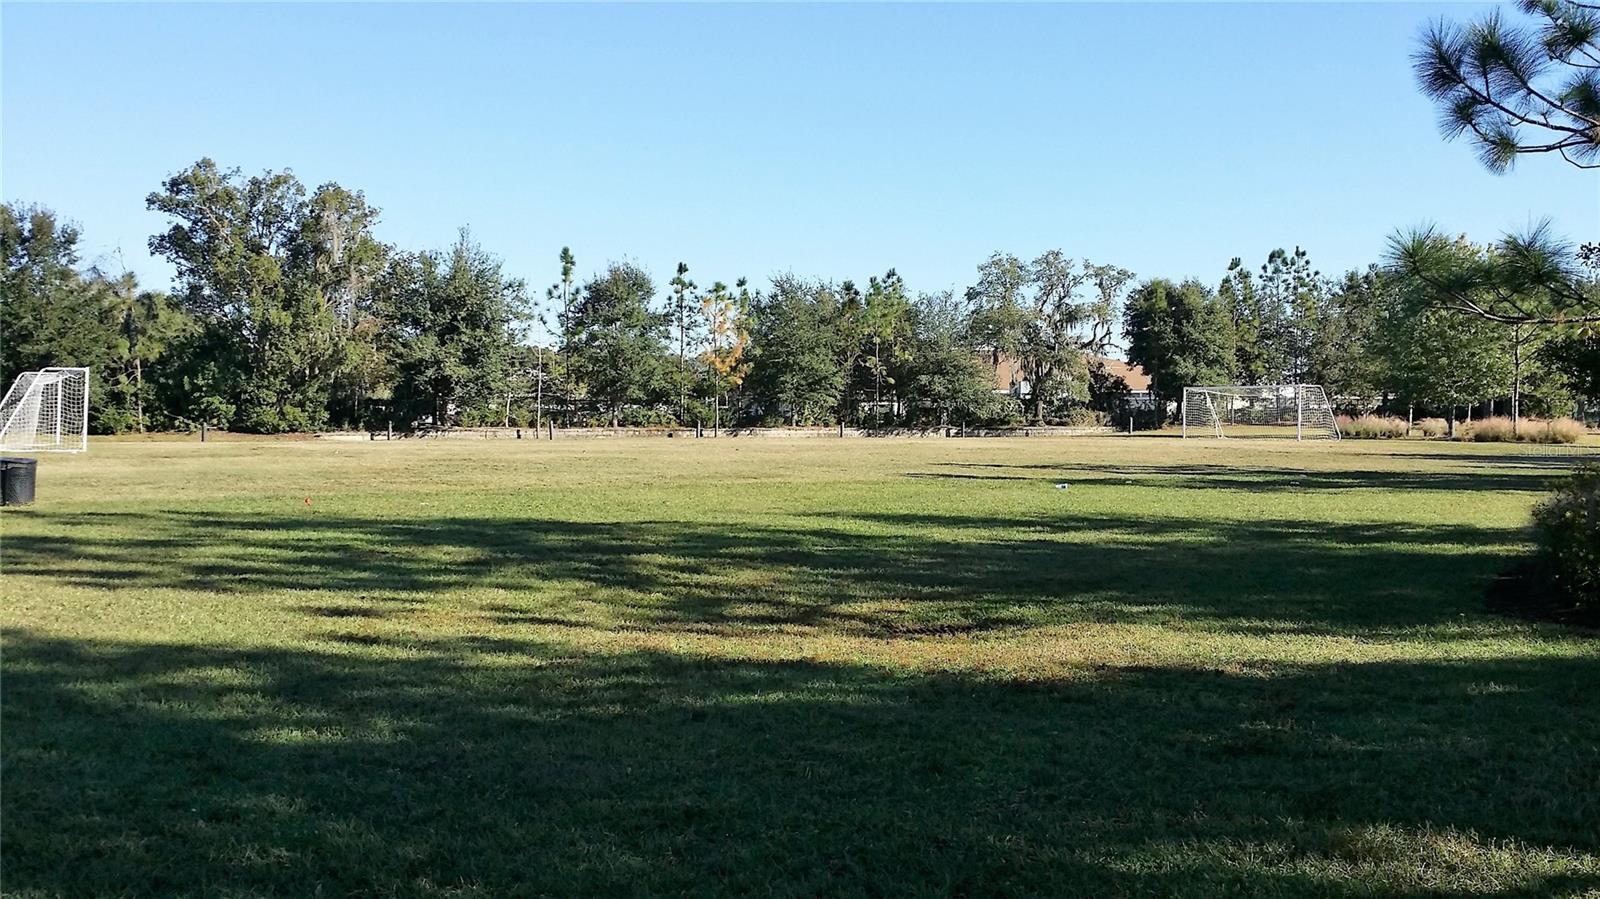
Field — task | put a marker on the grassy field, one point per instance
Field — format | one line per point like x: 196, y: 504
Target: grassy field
x: 789, y: 667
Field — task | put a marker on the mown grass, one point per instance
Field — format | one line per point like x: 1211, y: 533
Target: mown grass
x: 789, y: 667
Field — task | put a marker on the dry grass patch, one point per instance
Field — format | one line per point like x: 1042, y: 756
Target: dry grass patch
x: 1373, y: 427
x: 1528, y: 430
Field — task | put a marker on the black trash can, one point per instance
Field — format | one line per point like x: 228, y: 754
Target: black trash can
x: 16, y: 480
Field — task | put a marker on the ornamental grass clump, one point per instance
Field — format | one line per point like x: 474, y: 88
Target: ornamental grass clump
x: 1433, y: 427
x: 1530, y: 430
x: 1372, y: 427
x: 1490, y: 430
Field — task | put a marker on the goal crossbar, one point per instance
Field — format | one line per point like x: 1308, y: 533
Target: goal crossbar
x: 1259, y: 410
x: 46, y: 411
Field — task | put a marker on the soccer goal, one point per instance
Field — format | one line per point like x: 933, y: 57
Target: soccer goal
x: 46, y: 411
x: 1259, y: 410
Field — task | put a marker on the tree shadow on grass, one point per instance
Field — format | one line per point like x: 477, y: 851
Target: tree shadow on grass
x: 1536, y: 456
x: 492, y: 767
x: 1255, y: 479
x: 878, y: 574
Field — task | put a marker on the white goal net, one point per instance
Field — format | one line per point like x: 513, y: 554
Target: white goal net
x: 46, y: 411
x: 1301, y: 411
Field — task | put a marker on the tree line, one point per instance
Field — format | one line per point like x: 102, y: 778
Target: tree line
x: 287, y: 314
x: 1392, y: 337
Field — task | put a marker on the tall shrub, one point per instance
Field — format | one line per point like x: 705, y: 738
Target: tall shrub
x: 1568, y: 526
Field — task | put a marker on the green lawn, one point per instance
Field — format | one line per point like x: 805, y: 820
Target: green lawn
x: 789, y: 667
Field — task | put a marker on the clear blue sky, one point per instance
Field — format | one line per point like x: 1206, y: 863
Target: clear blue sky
x: 827, y: 140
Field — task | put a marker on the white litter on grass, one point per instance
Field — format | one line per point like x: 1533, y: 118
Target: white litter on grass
x: 1062, y: 486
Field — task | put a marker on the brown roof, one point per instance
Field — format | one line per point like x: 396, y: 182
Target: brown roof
x: 1008, y: 371
x: 1134, y: 375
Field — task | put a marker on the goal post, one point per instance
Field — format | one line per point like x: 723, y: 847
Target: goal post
x: 46, y: 411
x: 1259, y: 410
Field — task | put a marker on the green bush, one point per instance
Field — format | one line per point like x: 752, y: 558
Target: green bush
x: 699, y: 412
x: 1372, y: 427
x: 1000, y: 409
x: 482, y: 416
x: 1568, y: 526
x: 1084, y: 417
x: 646, y: 417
